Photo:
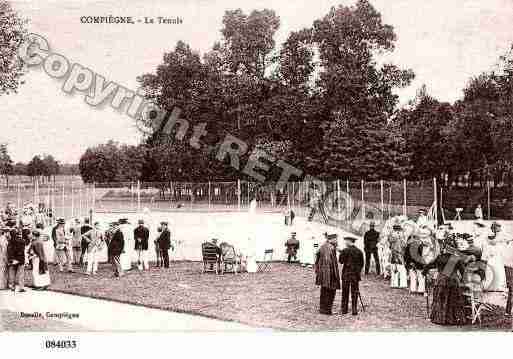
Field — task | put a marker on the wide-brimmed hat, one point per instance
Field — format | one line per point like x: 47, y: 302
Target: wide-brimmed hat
x: 61, y: 221
x: 350, y: 239
x: 123, y: 221
x: 36, y: 233
x: 332, y: 236
x: 164, y: 223
x: 140, y: 221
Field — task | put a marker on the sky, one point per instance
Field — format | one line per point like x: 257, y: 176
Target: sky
x: 445, y: 42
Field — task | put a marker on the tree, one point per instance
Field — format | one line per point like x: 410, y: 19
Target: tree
x: 12, y: 32
x: 20, y: 169
x: 358, y: 96
x: 425, y: 128
x: 51, y: 166
x: 112, y: 162
x: 6, y: 165
x: 36, y: 167
x: 249, y: 40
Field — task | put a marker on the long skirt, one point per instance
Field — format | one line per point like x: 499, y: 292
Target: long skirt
x: 39, y: 280
x: 448, y: 302
x: 326, y: 300
x: 399, y: 276
x: 3, y: 276
x: 126, y: 261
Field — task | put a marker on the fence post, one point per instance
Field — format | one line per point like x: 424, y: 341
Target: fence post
x: 63, y: 200
x: 488, y: 195
x: 404, y: 196
x: 18, y: 195
x: 363, y: 202
x: 79, y: 202
x: 293, y: 194
x: 238, y: 194
x: 382, y: 202
x: 138, y: 196
x: 209, y: 200
x: 338, y: 197
x: 94, y: 197
x: 72, y: 200
x: 435, y: 202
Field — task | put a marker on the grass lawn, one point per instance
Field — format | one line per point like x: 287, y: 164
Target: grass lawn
x: 284, y: 298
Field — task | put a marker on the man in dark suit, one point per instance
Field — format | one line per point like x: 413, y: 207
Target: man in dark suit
x: 370, y: 241
x: 326, y: 273
x: 141, y: 236
x: 164, y: 242
x: 352, y: 260
x: 85, y: 232
x: 116, y: 248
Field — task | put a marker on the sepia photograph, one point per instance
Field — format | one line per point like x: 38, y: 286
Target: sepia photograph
x: 196, y: 166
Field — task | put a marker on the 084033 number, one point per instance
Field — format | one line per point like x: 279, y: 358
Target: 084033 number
x: 60, y: 344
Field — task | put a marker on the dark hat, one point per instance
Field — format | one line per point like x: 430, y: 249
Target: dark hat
x: 350, y: 239
x: 397, y: 227
x: 141, y: 221
x: 332, y: 236
x: 123, y: 221
x: 61, y: 221
x: 164, y: 223
x: 36, y: 233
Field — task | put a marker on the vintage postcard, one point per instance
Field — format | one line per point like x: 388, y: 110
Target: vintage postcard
x: 248, y: 166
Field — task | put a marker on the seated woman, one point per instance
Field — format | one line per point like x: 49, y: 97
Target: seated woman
x: 292, y: 246
x: 448, y: 292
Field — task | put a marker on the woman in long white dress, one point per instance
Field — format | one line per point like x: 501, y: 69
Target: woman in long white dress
x: 495, y: 272
x: 3, y: 260
x: 307, y: 245
x: 40, y: 272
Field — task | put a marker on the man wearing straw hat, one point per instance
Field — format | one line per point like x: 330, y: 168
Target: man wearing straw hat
x: 62, y: 246
x: 141, y: 236
x: 116, y: 248
x: 164, y: 241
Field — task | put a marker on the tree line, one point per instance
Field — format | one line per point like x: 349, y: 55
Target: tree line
x: 323, y: 102
x: 42, y: 167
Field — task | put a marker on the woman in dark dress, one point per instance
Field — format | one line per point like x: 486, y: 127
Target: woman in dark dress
x: 448, y: 291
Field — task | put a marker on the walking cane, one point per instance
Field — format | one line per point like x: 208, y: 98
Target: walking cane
x: 361, y: 301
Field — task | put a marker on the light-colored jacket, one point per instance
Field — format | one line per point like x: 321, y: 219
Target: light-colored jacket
x: 62, y: 241
x: 96, y: 242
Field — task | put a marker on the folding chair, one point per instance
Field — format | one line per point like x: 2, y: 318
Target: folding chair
x: 265, y: 264
x: 211, y: 260
x: 230, y: 260
x: 475, y: 304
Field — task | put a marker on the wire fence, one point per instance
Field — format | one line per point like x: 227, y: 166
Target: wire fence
x: 344, y: 204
